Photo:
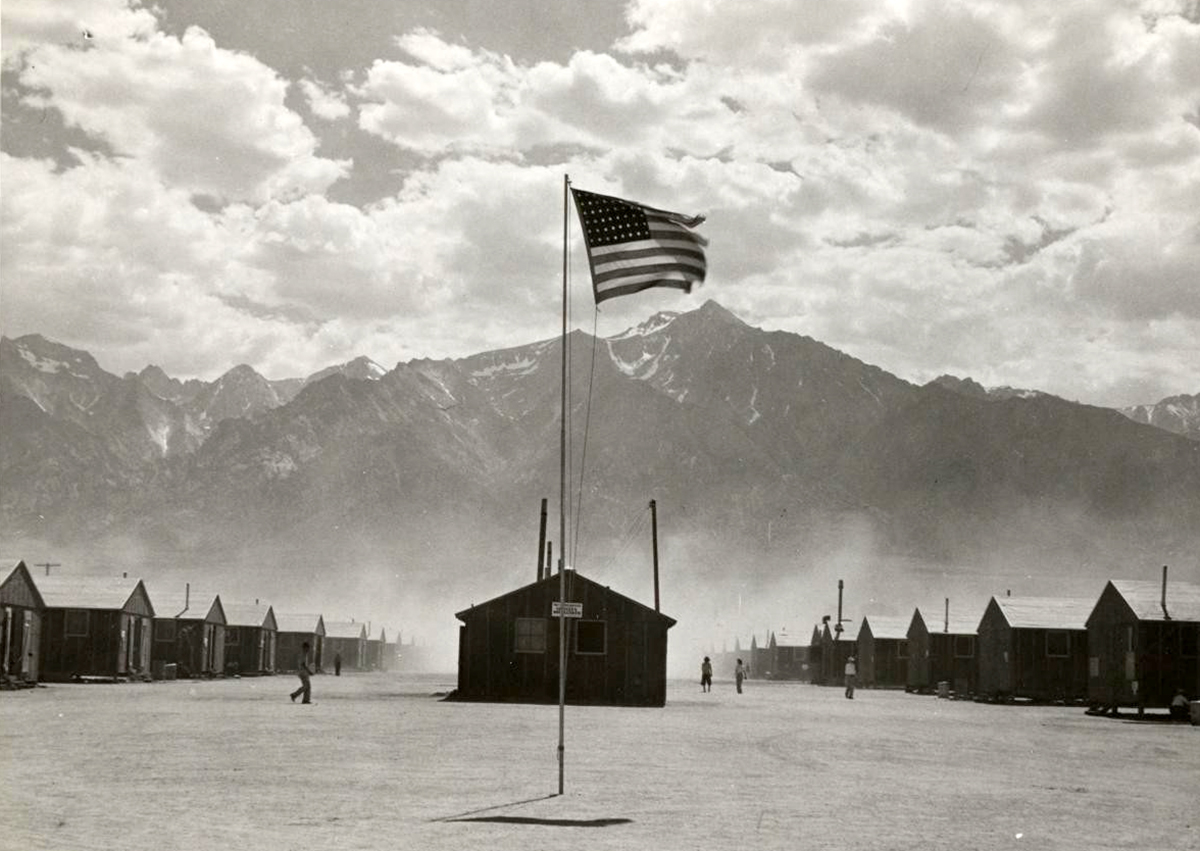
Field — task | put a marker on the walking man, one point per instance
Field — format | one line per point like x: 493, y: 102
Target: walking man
x: 304, y: 672
x: 739, y: 674
x: 851, y: 677
x: 706, y: 675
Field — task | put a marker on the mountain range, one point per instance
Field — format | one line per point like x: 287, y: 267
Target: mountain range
x: 769, y: 454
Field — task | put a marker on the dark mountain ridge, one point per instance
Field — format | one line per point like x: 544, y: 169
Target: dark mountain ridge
x: 767, y: 451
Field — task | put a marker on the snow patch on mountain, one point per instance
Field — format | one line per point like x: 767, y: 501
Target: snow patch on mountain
x: 654, y: 324
x: 524, y: 366
x: 47, y: 365
x: 634, y: 368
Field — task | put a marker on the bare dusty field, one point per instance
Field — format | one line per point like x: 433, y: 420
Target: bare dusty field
x: 380, y: 762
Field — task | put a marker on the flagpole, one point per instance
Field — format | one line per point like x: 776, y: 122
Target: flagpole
x: 562, y: 508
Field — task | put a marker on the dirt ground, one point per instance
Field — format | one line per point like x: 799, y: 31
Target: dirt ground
x: 380, y: 762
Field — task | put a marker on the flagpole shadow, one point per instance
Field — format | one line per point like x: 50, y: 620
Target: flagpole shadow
x: 469, y: 813
x: 478, y: 816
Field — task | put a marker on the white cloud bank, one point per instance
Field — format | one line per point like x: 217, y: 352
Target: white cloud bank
x: 1007, y: 192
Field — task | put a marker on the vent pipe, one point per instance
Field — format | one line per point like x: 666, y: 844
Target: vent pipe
x: 1166, y: 614
x: 654, y: 544
x: 946, y: 622
x: 837, y: 627
x: 542, y: 542
x: 549, y: 558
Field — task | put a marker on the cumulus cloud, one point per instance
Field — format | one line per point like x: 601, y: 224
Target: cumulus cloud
x: 29, y: 24
x: 969, y: 186
x: 201, y: 117
x: 324, y: 103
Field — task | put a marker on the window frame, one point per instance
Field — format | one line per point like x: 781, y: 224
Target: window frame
x: 1186, y: 652
x: 603, y: 625
x: 68, y: 632
x: 1066, y: 637
x: 160, y: 630
x: 970, y: 640
x: 527, y: 635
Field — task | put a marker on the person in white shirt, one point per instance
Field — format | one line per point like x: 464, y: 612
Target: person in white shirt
x: 851, y: 677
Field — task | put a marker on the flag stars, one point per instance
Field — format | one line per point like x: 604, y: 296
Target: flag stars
x: 610, y: 221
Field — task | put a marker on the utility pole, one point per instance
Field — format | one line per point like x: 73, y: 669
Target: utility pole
x: 47, y: 565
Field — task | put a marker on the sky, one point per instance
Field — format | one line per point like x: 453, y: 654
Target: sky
x: 1005, y: 191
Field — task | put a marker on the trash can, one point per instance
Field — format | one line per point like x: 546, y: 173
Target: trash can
x: 943, y: 689
x: 169, y: 671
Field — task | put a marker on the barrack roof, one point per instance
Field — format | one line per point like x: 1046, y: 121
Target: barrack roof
x: 960, y: 623
x: 193, y: 605
x: 86, y: 592
x: 345, y: 629
x: 1145, y: 598
x: 884, y: 626
x: 300, y: 623
x: 248, y: 614
x: 1046, y: 612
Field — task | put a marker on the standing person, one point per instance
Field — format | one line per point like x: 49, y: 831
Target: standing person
x: 706, y: 675
x: 851, y: 676
x: 304, y: 672
x: 337, y: 664
x: 739, y: 674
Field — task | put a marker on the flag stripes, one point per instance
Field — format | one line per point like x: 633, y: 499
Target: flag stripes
x: 632, y: 247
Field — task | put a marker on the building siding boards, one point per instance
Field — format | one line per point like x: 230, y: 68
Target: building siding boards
x: 20, y: 625
x: 1138, y: 656
x: 941, y: 651
x: 1034, y: 648
x: 836, y: 649
x: 629, y: 668
x: 787, y: 657
x: 250, y: 639
x: 88, y: 632
x: 189, y: 632
x: 349, y: 640
x: 883, y: 652
x: 294, y: 630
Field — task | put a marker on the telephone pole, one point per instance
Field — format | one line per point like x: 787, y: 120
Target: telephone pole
x: 47, y: 565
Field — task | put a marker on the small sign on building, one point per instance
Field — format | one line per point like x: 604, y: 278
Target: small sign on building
x: 567, y: 610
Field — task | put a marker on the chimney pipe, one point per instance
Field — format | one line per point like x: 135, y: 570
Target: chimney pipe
x: 1166, y: 614
x: 124, y: 574
x: 542, y: 542
x: 256, y: 601
x: 187, y: 595
x: 837, y: 628
x: 1008, y: 593
x: 549, y: 558
x: 947, y: 621
x: 654, y: 543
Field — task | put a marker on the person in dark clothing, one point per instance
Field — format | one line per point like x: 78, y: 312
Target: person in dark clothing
x: 1180, y: 708
x: 304, y: 672
x: 739, y: 674
x: 706, y: 674
x: 337, y: 664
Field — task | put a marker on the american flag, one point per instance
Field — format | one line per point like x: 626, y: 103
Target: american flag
x: 632, y: 247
